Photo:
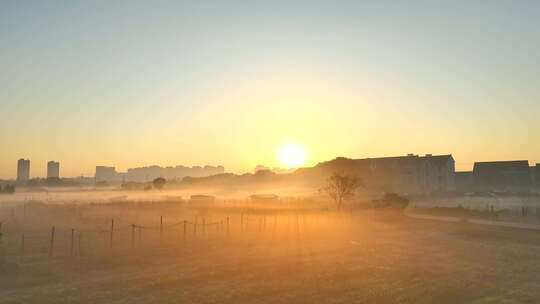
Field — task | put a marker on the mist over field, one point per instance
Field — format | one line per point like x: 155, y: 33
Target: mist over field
x: 336, y: 232
x: 238, y: 250
x: 268, y: 152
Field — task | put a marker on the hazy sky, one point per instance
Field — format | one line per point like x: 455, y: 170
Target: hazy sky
x: 132, y: 83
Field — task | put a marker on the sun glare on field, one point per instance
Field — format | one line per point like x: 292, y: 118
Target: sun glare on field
x: 292, y: 155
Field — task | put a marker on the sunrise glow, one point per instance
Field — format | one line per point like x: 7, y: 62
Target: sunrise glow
x: 292, y: 155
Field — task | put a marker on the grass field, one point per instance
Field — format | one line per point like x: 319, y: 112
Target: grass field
x: 313, y: 257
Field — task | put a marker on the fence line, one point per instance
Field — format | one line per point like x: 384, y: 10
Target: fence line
x: 68, y: 241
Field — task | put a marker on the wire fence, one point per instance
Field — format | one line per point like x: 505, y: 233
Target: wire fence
x: 118, y: 236
x: 77, y: 233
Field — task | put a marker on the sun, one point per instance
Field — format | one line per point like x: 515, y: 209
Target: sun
x: 292, y: 155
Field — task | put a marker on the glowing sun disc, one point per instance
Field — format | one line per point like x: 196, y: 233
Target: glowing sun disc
x: 292, y: 155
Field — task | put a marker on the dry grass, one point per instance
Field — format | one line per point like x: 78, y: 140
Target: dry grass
x: 364, y: 258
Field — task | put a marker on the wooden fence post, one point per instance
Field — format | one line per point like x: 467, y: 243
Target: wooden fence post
x: 204, y: 226
x: 51, y: 245
x: 112, y: 232
x: 241, y: 222
x: 22, y: 244
x: 161, y: 229
x: 185, y: 226
x: 72, y: 241
x: 132, y: 236
x: 227, y: 225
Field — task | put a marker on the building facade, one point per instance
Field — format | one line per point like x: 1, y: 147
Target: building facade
x: 23, y: 170
x: 53, y: 169
x: 535, y: 172
x: 411, y: 174
x: 502, y: 176
x: 106, y: 174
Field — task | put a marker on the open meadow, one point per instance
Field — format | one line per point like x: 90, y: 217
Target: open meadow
x: 177, y: 252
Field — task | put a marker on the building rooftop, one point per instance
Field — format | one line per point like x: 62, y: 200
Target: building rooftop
x: 500, y: 165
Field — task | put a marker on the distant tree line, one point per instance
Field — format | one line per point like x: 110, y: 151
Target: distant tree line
x: 51, y: 182
x: 157, y: 183
x: 7, y: 189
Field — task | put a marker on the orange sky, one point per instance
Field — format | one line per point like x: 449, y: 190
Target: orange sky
x: 225, y: 84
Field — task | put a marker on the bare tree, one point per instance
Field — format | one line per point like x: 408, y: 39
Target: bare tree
x: 340, y: 187
x: 159, y: 183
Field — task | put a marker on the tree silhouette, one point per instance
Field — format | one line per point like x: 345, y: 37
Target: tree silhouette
x: 159, y: 183
x: 340, y: 187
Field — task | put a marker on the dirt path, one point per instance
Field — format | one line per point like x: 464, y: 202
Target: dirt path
x: 411, y: 214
